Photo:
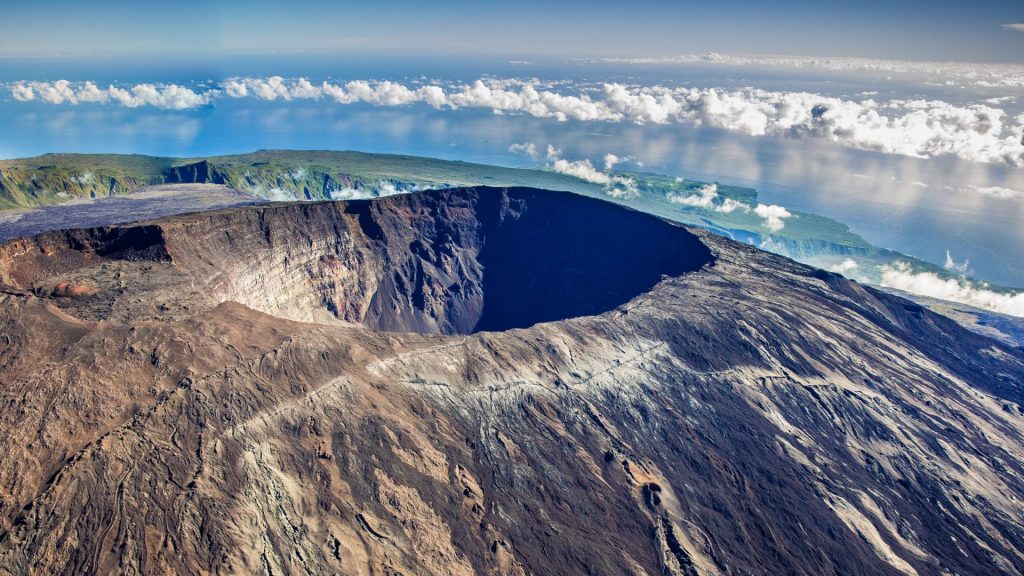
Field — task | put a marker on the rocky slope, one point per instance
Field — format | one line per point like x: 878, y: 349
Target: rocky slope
x: 486, y: 381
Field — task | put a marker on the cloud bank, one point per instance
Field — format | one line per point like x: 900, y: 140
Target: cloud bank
x: 920, y: 128
x: 167, y: 96
x: 901, y: 276
x: 985, y: 75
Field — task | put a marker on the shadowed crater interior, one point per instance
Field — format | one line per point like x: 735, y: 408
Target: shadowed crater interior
x: 490, y: 260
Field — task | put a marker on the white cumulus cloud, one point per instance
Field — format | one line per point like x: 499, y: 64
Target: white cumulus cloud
x: 525, y: 148
x: 168, y: 96
x: 614, y: 185
x: 22, y: 92
x: 581, y: 169
x: 773, y: 215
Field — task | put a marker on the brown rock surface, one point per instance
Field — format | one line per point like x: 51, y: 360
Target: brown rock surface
x: 487, y: 382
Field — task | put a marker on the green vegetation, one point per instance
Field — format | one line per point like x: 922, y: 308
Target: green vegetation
x: 311, y: 175
x: 56, y: 178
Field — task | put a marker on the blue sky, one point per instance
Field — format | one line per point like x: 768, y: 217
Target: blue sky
x: 939, y: 30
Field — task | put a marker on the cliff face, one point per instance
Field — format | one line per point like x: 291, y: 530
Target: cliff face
x: 443, y: 263
x: 217, y: 393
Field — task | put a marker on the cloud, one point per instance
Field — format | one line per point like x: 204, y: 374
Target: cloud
x: 348, y: 194
x: 949, y: 73
x: 953, y: 266
x: 384, y: 188
x: 729, y: 206
x: 614, y: 186
x: 581, y: 169
x: 270, y: 88
x: 622, y: 187
x: 1019, y: 26
x: 610, y: 160
x: 845, y: 267
x: 773, y: 216
x: 920, y: 128
x: 526, y: 149
x: 167, y: 96
x: 901, y: 276
x: 387, y: 188
x: 22, y: 92
x: 279, y: 195
x: 704, y: 198
x: 997, y: 191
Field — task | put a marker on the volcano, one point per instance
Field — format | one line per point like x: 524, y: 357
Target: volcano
x: 486, y: 381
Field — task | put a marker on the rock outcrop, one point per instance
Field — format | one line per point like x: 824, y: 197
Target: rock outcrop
x: 487, y: 381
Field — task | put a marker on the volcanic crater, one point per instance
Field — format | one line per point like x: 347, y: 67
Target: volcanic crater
x: 442, y: 262
x: 340, y: 388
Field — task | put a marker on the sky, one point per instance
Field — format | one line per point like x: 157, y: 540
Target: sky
x: 977, y: 31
